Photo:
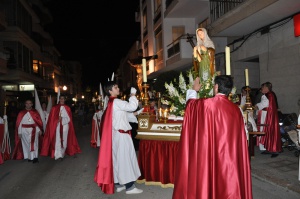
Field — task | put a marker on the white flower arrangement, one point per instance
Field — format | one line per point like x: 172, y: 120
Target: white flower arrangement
x: 175, y: 97
x: 176, y: 93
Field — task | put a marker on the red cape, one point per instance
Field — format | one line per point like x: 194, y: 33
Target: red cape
x: 213, y: 159
x: 104, y: 176
x: 18, y: 150
x: 272, y: 138
x: 48, y: 147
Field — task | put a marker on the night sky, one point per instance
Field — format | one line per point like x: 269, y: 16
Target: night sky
x: 98, y: 34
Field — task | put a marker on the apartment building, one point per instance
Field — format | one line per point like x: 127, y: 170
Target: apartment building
x: 261, y: 35
x: 28, y: 57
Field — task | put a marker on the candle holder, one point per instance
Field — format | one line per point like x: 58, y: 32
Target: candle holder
x: 165, y: 115
x: 146, y: 98
x: 248, y: 103
x: 158, y: 96
x: 160, y: 115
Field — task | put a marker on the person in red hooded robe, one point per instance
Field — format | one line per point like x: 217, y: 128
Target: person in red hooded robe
x: 28, y: 130
x: 59, y: 138
x: 213, y: 160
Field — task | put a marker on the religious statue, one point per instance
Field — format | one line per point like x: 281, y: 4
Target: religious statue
x: 204, y: 55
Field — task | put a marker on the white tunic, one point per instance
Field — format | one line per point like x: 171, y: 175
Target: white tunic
x: 25, y: 134
x: 126, y: 168
x: 97, y: 120
x: 264, y: 103
x: 65, y: 119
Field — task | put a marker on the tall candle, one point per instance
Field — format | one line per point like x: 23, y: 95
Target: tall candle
x: 227, y: 59
x: 247, y: 77
x: 100, y: 90
x: 144, y: 71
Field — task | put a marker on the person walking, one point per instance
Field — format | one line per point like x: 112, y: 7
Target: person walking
x: 117, y: 165
x: 267, y: 117
x: 29, y: 128
x: 96, y: 123
x: 59, y: 138
x: 213, y: 159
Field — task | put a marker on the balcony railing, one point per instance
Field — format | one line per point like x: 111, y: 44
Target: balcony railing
x: 218, y: 8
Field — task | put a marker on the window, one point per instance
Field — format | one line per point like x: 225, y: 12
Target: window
x: 177, y: 31
x: 145, y: 19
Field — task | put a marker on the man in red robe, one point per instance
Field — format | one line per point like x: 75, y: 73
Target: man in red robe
x: 213, y: 160
x: 268, y: 114
x: 60, y: 138
x: 29, y: 128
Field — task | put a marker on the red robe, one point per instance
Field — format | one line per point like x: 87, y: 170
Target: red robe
x: 104, y: 176
x: 213, y: 159
x: 18, y: 150
x: 48, y: 147
x: 272, y: 138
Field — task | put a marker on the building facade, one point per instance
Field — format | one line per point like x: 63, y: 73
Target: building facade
x: 28, y: 57
x: 261, y: 36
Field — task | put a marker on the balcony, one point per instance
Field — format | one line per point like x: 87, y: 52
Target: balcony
x: 178, y: 57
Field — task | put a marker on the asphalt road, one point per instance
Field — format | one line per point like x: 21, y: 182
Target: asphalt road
x: 73, y: 178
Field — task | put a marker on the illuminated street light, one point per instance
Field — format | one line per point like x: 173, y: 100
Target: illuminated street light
x: 65, y: 88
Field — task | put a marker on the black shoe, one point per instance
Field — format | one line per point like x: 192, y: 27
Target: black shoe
x: 274, y: 155
x: 30, y: 160
x: 265, y: 152
x: 35, y: 160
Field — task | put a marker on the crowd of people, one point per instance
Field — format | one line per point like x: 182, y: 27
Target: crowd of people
x: 200, y: 171
x: 52, y: 136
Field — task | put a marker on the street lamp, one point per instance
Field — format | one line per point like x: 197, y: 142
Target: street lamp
x: 65, y: 87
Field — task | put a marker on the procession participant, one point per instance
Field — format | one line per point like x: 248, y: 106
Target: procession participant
x: 95, y: 137
x: 117, y: 162
x: 29, y: 127
x: 213, y: 159
x: 59, y: 138
x: 44, y: 108
x: 268, y: 114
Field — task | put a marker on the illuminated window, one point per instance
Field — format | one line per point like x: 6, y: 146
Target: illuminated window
x: 35, y: 66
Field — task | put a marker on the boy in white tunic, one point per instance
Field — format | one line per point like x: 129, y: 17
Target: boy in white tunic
x: 117, y: 162
x: 29, y: 127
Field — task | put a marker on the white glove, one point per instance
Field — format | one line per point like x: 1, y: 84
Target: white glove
x: 132, y: 90
x: 139, y: 111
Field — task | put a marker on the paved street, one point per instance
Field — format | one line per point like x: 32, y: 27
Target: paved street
x: 72, y: 178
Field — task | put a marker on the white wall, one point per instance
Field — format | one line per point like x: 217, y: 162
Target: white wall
x: 279, y: 63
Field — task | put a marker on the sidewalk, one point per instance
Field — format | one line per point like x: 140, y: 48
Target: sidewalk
x: 282, y: 170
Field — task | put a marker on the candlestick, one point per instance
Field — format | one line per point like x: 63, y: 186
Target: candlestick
x: 144, y: 70
x: 247, y: 77
x: 227, y: 59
